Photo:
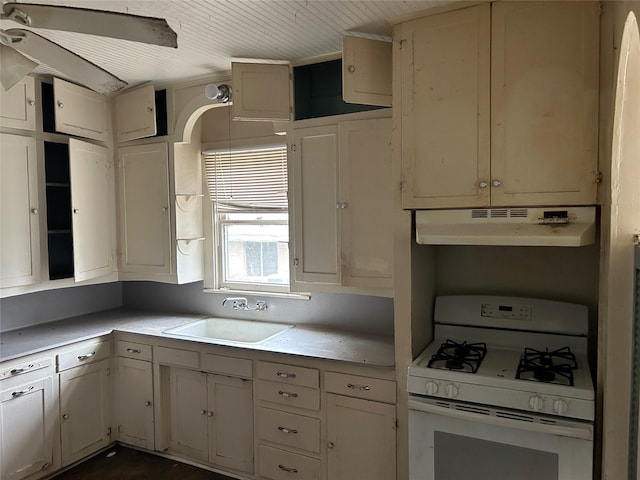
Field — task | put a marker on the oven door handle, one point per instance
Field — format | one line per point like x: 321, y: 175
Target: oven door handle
x: 583, y: 432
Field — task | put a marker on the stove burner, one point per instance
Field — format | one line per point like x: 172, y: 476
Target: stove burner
x: 549, y: 367
x: 458, y: 356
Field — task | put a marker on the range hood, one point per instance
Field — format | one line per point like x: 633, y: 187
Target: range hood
x: 557, y: 226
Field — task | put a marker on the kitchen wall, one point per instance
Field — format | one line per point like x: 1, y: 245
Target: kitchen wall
x: 350, y: 312
x: 49, y: 305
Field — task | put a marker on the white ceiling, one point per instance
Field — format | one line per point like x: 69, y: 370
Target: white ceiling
x: 213, y: 32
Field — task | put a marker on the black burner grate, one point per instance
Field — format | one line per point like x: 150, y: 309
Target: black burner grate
x: 546, y: 366
x: 465, y: 357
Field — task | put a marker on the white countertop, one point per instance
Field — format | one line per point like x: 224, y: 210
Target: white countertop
x: 304, y: 340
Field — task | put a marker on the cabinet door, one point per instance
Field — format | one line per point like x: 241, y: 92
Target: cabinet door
x: 92, y: 200
x: 445, y: 109
x: 136, y: 114
x: 19, y: 223
x: 18, y: 105
x: 361, y: 437
x: 261, y: 91
x: 366, y: 71
x: 544, y: 101
x: 80, y: 111
x: 231, y: 423
x: 314, y: 221
x: 84, y: 408
x: 188, y: 413
x: 134, y: 402
x: 26, y: 429
x: 144, y: 209
x: 366, y: 194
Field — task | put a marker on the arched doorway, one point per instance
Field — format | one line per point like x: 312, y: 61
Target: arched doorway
x: 620, y: 226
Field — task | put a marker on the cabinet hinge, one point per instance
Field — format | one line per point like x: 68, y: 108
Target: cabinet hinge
x: 293, y: 148
x: 119, y: 428
x: 395, y: 423
x: 296, y: 262
x: 403, y: 42
x: 597, y: 177
x: 402, y: 185
x: 109, y: 432
x: 108, y: 372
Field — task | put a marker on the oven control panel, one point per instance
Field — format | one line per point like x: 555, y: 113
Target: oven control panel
x: 506, y: 311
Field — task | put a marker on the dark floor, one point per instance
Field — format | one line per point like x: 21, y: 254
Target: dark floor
x: 130, y: 464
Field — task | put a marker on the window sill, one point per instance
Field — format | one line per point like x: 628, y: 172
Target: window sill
x: 230, y: 291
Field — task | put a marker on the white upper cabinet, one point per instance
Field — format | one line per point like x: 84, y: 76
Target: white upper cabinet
x: 261, y: 91
x: 136, y: 114
x: 365, y: 203
x: 544, y: 102
x: 145, y: 236
x: 366, y: 71
x: 80, y: 111
x: 444, y: 79
x: 19, y: 211
x: 93, y: 200
x: 341, y: 207
x: 18, y: 105
x: 314, y: 225
x: 499, y: 105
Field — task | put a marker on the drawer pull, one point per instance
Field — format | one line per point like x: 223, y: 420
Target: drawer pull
x: 21, y: 392
x: 286, y: 375
x: 288, y: 430
x: 134, y: 350
x: 364, y: 388
x: 287, y: 394
x: 147, y: 404
x: 287, y: 469
x: 86, y: 356
x: 16, y: 371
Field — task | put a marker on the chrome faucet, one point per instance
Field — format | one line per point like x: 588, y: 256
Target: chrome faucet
x: 240, y: 303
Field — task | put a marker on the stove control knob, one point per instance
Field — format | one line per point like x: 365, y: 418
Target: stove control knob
x: 451, y: 390
x: 431, y: 387
x: 536, y: 403
x: 560, y: 407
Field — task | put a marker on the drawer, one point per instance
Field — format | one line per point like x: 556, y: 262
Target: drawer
x: 289, y: 429
x: 87, y: 353
x: 13, y: 369
x: 279, y: 464
x: 176, y: 356
x: 292, y: 375
x: 133, y: 350
x: 235, y: 367
x: 290, y: 395
x: 361, y: 387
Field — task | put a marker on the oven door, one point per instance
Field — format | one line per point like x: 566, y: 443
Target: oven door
x: 456, y: 441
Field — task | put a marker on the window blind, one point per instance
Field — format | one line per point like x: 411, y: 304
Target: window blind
x: 247, y: 179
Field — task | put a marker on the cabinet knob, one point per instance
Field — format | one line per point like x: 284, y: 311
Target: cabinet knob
x: 65, y: 416
x: 60, y: 105
x: 496, y: 183
x: 203, y: 412
x: 483, y: 184
x: 34, y: 211
x: 164, y: 209
x: 150, y: 109
x: 31, y: 103
x: 147, y: 404
x: 351, y: 68
x: 76, y: 211
x: 330, y: 445
x: 209, y: 414
x: 342, y: 205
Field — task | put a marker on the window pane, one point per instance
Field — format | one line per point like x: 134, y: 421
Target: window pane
x: 256, y: 254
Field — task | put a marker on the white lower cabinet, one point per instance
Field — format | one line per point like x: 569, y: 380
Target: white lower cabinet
x: 289, y: 421
x: 27, y: 421
x: 133, y: 396
x: 211, y: 418
x: 84, y: 410
x: 361, y: 433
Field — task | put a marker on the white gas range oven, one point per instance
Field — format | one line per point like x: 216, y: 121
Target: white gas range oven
x: 504, y: 392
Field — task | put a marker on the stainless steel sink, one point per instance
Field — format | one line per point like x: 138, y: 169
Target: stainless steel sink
x: 230, y: 330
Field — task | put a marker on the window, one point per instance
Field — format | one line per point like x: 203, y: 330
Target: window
x: 248, y: 189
